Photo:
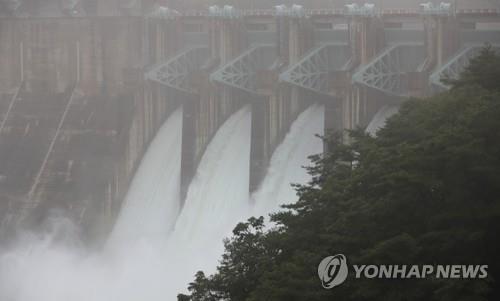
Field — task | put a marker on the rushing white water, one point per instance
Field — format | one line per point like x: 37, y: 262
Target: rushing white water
x: 380, y: 118
x: 52, y: 266
x: 218, y: 193
x: 216, y: 200
x: 288, y: 160
x: 142, y: 264
x: 153, y: 200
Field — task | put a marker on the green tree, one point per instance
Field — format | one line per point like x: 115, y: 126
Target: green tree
x: 483, y: 71
x: 202, y: 289
x: 426, y: 190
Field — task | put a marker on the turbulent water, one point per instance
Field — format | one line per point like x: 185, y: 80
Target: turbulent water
x: 151, y: 257
x: 53, y: 267
x: 153, y: 201
x: 288, y: 160
x: 216, y: 200
x: 218, y: 193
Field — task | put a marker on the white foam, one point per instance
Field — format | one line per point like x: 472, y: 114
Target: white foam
x: 142, y: 264
x: 152, y: 203
x: 288, y: 160
x: 216, y: 200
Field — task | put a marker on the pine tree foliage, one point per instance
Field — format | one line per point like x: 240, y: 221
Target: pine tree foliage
x: 426, y: 190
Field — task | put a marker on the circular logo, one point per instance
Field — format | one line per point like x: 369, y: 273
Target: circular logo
x: 333, y: 271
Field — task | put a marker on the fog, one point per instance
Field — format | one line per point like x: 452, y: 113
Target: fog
x: 132, y: 143
x: 142, y: 261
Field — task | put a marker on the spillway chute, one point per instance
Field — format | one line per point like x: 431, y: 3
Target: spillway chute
x: 152, y: 203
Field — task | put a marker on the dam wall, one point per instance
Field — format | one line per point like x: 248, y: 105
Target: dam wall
x: 82, y: 97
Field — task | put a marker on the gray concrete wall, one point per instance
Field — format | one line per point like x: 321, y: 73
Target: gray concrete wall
x: 108, y: 126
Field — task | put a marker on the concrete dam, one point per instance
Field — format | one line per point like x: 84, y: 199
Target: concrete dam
x: 82, y: 96
x: 134, y: 137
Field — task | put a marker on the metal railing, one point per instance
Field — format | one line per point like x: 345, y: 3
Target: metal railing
x: 341, y: 12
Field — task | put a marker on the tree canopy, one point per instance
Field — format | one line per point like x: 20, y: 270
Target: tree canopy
x: 426, y: 190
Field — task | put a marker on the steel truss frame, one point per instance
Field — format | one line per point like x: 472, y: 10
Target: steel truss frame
x: 175, y: 72
x: 241, y: 73
x: 454, y: 67
x: 386, y: 71
x: 312, y: 72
